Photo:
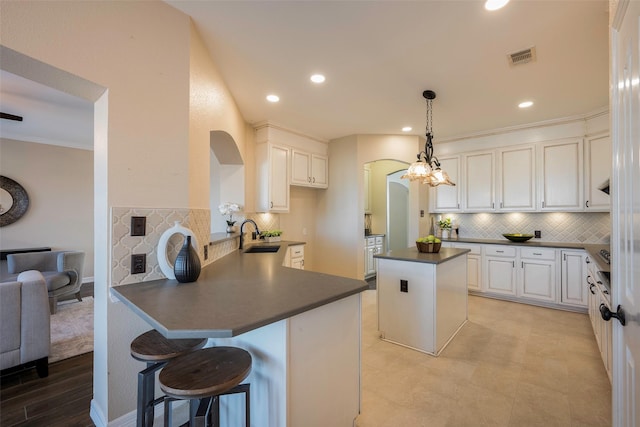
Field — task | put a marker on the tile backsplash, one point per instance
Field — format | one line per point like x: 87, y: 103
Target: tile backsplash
x: 570, y: 227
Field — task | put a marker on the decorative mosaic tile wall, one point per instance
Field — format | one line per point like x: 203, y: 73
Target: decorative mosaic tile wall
x: 575, y: 227
x: 158, y: 221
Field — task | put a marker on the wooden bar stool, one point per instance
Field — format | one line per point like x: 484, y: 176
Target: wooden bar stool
x: 156, y: 350
x: 202, y: 377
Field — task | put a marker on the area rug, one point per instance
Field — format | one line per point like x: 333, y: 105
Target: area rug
x: 72, y: 329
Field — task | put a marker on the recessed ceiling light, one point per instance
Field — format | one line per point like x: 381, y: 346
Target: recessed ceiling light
x: 495, y: 4
x: 525, y: 104
x: 407, y: 129
x: 273, y: 98
x: 317, y: 78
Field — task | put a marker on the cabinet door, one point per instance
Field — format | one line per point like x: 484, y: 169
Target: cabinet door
x: 367, y: 190
x: 300, y: 173
x: 297, y: 263
x: 597, y: 173
x: 279, y: 179
x: 516, y: 183
x: 479, y: 182
x: 319, y: 171
x: 370, y: 263
x: 538, y: 280
x: 500, y: 275
x: 561, y: 176
x: 474, y: 273
x: 574, y: 289
x: 447, y: 197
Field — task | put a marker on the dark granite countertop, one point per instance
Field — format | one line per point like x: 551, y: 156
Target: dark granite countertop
x: 412, y: 255
x: 233, y: 295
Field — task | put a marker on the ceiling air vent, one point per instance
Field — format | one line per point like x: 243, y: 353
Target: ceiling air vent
x: 522, y: 57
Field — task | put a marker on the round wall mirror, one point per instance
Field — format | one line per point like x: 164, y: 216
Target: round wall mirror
x: 14, y: 201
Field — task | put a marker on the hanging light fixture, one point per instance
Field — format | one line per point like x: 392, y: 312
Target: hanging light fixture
x: 427, y: 169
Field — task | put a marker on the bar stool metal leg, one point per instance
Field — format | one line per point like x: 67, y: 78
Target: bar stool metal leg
x: 146, y: 391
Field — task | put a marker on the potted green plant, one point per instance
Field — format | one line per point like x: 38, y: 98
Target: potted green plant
x: 445, y: 226
x: 271, y: 235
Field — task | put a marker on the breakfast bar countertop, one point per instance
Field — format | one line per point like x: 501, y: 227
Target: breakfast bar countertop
x: 235, y: 294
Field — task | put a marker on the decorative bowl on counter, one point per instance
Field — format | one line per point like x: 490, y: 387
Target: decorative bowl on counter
x: 428, y: 247
x: 518, y: 237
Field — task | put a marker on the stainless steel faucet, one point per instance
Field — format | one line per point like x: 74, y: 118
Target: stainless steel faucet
x: 242, y: 227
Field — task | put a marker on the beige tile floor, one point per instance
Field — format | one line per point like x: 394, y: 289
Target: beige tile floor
x: 510, y: 365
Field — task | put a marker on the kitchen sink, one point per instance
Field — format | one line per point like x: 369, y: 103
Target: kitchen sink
x: 262, y: 249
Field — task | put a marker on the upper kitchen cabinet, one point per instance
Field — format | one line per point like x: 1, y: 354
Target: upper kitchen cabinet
x: 446, y: 198
x: 597, y: 173
x: 309, y: 169
x: 272, y: 173
x: 479, y: 179
x: 285, y: 158
x: 560, y: 176
x: 516, y: 183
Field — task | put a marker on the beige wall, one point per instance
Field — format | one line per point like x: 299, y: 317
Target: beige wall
x: 379, y: 171
x: 147, y: 148
x: 302, y: 217
x: 59, y: 182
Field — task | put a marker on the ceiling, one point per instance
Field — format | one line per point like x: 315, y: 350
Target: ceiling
x: 378, y: 57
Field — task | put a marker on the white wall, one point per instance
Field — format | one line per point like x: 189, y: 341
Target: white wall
x: 59, y: 183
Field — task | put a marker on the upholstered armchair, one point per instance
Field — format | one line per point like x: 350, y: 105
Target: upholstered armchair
x: 25, y: 331
x: 62, y: 271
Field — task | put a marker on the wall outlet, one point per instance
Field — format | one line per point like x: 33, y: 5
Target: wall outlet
x: 138, y: 225
x: 206, y: 252
x: 138, y: 263
x: 404, y: 286
x: 538, y: 234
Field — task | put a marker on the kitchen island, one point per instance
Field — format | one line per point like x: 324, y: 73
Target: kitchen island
x: 302, y: 329
x: 422, y: 297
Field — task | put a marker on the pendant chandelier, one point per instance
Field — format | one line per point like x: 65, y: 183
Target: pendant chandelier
x: 427, y: 169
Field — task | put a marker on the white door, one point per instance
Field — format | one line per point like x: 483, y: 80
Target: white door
x: 625, y: 74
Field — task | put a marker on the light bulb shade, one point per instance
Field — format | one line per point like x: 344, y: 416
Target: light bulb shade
x: 417, y: 171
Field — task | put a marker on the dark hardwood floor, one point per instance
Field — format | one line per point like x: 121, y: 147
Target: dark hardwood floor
x: 62, y: 399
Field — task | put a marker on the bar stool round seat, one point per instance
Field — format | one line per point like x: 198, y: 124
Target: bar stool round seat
x: 156, y: 350
x: 153, y: 347
x: 204, y: 375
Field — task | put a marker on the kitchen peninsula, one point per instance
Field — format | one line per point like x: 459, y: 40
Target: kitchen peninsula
x: 302, y: 329
x: 422, y: 297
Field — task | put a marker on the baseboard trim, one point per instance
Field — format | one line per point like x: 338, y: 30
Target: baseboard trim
x: 180, y: 411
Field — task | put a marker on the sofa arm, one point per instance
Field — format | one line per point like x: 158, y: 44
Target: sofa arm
x: 35, y: 318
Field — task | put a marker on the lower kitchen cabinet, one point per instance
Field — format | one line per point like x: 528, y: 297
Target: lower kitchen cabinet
x: 574, y: 291
x: 372, y: 245
x: 474, y: 265
x: 538, y: 274
x: 597, y: 294
x: 295, y: 257
x: 499, y: 268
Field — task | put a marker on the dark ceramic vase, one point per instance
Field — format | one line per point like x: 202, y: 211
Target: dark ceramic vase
x: 187, y: 265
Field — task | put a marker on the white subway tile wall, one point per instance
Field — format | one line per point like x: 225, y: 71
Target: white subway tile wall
x: 570, y: 227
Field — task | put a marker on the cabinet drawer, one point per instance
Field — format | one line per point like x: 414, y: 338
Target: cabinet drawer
x: 379, y: 240
x: 497, y: 250
x: 475, y: 249
x: 370, y: 241
x: 538, y: 253
x: 296, y: 251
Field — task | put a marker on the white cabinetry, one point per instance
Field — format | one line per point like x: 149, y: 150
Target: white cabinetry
x: 597, y: 172
x: 309, y: 169
x: 499, y: 269
x: 474, y: 265
x: 537, y: 274
x: 560, y: 176
x: 479, y: 180
x: 272, y: 173
x: 574, y: 288
x: 603, y: 330
x: 295, y: 257
x: 446, y: 198
x: 367, y: 189
x: 372, y: 245
x: 516, y: 184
